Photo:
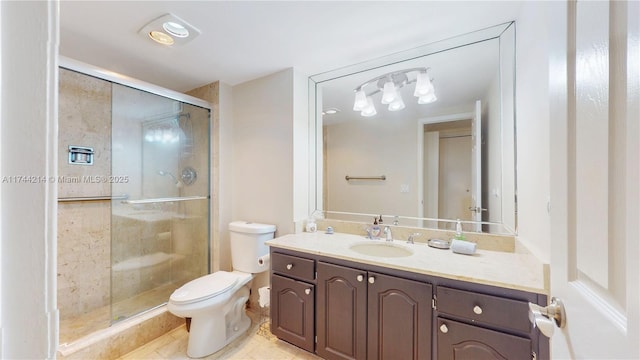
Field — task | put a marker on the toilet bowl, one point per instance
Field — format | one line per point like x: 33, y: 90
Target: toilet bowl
x: 216, y: 302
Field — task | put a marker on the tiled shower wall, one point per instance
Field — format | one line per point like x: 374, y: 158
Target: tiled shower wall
x: 84, y: 251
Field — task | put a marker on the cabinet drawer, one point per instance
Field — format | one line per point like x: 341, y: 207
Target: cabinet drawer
x: 494, y: 310
x: 456, y: 340
x: 293, y: 266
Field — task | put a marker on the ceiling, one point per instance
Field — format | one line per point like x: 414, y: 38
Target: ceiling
x: 245, y: 40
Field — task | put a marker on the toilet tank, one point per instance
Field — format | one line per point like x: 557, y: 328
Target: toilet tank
x: 248, y: 247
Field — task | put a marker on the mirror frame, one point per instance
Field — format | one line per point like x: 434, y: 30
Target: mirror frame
x: 505, y: 33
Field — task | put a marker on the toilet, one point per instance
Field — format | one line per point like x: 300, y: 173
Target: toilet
x: 216, y: 302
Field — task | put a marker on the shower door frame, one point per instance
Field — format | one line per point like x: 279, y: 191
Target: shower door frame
x: 115, y: 78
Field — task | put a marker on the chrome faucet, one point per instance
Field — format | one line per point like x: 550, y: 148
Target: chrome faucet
x: 410, y: 239
x: 387, y: 232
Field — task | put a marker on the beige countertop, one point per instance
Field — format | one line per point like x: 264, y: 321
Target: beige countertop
x: 511, y: 270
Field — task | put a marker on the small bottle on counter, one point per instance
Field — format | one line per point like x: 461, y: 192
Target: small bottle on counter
x: 375, y: 229
x: 459, y: 244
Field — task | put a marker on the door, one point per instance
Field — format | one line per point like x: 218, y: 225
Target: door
x: 292, y: 310
x: 399, y: 318
x: 341, y: 312
x: 476, y: 166
x: 595, y: 187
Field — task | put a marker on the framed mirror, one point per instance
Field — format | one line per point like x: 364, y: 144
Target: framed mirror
x: 422, y: 137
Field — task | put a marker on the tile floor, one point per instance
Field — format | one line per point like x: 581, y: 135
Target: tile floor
x: 257, y: 343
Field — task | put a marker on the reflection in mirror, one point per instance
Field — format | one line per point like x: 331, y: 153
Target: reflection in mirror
x: 384, y: 148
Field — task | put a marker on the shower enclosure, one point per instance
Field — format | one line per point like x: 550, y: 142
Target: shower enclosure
x: 133, y: 211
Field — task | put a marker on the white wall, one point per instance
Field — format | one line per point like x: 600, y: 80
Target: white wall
x: 28, y: 222
x: 532, y: 119
x: 270, y: 179
x: 360, y: 147
x: 493, y: 163
x: 301, y: 149
x: 225, y: 137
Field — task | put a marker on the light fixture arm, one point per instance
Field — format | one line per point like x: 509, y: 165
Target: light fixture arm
x: 389, y: 85
x: 394, y: 75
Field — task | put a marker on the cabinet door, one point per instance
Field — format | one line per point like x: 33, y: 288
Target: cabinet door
x: 461, y: 342
x: 292, y: 306
x: 400, y: 316
x: 341, y: 312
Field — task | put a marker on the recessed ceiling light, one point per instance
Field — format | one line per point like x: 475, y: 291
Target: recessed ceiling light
x: 169, y: 29
x: 175, y: 29
x: 160, y: 37
x: 330, y: 111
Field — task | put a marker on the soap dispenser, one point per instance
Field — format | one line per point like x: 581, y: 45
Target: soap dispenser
x: 459, y: 235
x: 375, y: 229
x: 459, y: 245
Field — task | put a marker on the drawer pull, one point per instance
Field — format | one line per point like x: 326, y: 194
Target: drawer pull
x: 372, y: 279
x: 307, y: 291
x: 289, y: 266
x: 360, y: 278
x: 477, y: 310
x: 444, y: 328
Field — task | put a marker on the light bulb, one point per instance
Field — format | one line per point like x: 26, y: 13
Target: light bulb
x: 396, y: 105
x: 423, y: 85
x: 427, y: 99
x: 389, y: 93
x: 161, y: 38
x: 370, y: 109
x: 361, y: 101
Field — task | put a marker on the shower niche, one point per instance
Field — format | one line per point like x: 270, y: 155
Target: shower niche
x: 134, y: 226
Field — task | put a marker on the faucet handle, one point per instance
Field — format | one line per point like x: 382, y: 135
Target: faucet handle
x: 410, y: 239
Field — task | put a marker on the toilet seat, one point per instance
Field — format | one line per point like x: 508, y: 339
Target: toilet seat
x: 204, y: 287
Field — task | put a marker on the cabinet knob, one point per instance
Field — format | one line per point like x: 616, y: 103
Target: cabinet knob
x: 372, y: 279
x: 307, y: 291
x: 289, y: 266
x: 477, y: 310
x: 360, y: 278
x: 444, y: 328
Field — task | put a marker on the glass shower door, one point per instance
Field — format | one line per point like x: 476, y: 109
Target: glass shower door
x: 160, y: 206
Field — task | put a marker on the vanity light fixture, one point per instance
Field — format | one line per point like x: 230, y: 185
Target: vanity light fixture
x: 389, y: 85
x: 169, y: 29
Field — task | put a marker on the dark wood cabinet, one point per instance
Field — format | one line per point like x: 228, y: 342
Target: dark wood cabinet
x: 368, y: 315
x: 399, y: 318
x: 341, y: 312
x: 293, y: 301
x: 340, y: 309
x: 459, y: 341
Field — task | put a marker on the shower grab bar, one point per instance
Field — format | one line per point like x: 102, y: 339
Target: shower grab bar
x: 381, y: 177
x: 162, y: 200
x: 93, y: 198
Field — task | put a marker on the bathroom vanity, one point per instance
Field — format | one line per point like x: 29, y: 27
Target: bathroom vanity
x: 330, y: 297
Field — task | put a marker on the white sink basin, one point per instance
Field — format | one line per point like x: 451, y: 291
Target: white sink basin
x: 381, y: 249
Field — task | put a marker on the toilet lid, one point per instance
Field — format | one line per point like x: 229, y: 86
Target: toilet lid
x: 204, y: 287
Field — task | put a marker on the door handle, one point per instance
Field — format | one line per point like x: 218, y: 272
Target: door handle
x: 476, y: 209
x: 544, y: 318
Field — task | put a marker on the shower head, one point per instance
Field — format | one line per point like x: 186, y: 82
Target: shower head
x: 165, y: 173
